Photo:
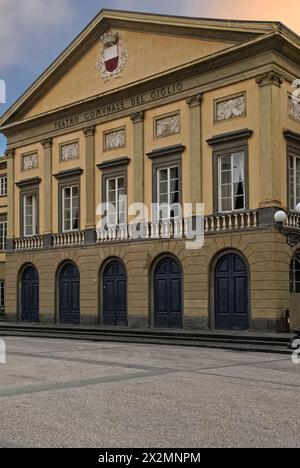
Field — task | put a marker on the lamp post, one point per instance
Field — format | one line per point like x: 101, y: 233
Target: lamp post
x: 291, y: 233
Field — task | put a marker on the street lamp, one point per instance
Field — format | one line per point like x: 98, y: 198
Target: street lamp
x: 290, y: 232
x: 281, y: 216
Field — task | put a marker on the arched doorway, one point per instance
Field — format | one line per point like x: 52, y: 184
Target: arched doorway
x: 168, y: 311
x: 231, y: 293
x: 30, y: 295
x: 69, y: 295
x: 115, y: 295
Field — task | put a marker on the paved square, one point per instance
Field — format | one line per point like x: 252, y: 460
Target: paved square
x: 57, y: 393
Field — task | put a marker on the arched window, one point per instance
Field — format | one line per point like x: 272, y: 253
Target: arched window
x: 295, y: 274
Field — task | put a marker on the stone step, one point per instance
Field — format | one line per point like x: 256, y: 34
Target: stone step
x: 179, y: 339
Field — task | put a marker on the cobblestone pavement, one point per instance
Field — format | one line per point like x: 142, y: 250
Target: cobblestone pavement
x: 57, y: 393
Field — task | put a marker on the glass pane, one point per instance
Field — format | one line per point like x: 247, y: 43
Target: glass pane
x: 75, y: 191
x: 67, y: 193
x: 226, y: 163
x: 163, y: 198
x: 163, y: 175
x: 226, y: 204
x: 174, y: 173
x: 163, y: 187
x: 238, y: 167
x: 174, y: 197
x: 226, y: 191
x: 239, y: 203
x: 111, y: 184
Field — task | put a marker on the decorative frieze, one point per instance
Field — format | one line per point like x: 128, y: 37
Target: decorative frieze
x: 115, y: 139
x: 69, y: 151
x: 29, y: 161
x: 230, y: 107
x: 167, y: 125
x: 293, y: 108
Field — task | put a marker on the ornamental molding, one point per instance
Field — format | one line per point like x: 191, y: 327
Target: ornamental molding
x: 137, y: 117
x: 47, y: 143
x: 269, y: 78
x: 9, y: 153
x: 293, y: 108
x: 69, y: 151
x: 114, y: 139
x: 113, y: 56
x: 167, y: 125
x: 230, y: 107
x: 29, y: 161
x: 194, y: 100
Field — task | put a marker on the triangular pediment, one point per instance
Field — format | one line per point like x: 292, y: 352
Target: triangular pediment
x: 121, y: 48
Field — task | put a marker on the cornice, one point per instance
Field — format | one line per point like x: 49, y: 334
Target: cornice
x: 290, y: 135
x: 68, y: 173
x: 166, y: 151
x: 229, y: 137
x: 113, y: 163
x: 29, y: 182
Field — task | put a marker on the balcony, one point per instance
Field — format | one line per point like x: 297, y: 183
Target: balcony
x: 174, y: 229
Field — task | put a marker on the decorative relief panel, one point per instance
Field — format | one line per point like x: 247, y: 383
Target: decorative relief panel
x: 114, y: 139
x: 29, y: 161
x: 167, y: 126
x: 231, y: 108
x: 69, y: 151
x: 293, y: 108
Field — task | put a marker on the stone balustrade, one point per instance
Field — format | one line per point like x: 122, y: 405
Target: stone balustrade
x: 29, y: 243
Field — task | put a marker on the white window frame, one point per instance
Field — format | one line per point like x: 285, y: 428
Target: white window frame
x: 34, y: 215
x: 3, y: 235
x: 162, y: 206
x: 220, y: 198
x: 3, y: 186
x: 117, y: 212
x: 293, y: 186
x: 71, y: 188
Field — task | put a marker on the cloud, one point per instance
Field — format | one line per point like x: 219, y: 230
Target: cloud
x: 29, y: 22
x: 268, y: 10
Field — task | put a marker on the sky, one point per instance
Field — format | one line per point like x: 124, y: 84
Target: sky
x: 34, y: 32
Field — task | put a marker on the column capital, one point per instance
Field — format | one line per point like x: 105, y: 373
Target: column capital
x: 137, y: 117
x: 47, y: 142
x: 269, y: 78
x: 89, y: 131
x: 194, y: 100
x: 9, y: 153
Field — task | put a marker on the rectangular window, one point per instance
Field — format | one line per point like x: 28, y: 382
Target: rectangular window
x: 3, y: 234
x: 115, y: 192
x: 231, y: 189
x: 168, y: 192
x: 70, y: 208
x: 30, y: 215
x: 294, y: 181
x: 2, y: 295
x: 3, y: 186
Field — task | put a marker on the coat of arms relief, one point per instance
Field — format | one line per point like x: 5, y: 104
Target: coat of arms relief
x: 113, y: 56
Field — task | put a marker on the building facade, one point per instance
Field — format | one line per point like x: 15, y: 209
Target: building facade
x: 167, y: 111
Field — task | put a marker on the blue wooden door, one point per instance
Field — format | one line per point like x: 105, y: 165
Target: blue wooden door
x: 30, y: 295
x: 231, y: 294
x: 115, y: 295
x: 168, y: 295
x: 69, y: 295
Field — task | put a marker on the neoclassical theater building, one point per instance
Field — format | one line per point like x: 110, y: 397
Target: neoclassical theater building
x: 166, y: 110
